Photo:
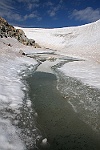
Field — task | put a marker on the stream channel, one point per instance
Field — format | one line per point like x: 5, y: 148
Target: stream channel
x: 60, y: 127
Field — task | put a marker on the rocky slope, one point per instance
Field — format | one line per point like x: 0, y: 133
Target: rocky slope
x: 7, y: 30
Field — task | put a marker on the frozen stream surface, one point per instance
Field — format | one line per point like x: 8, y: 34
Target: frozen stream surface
x: 41, y: 108
x: 67, y: 111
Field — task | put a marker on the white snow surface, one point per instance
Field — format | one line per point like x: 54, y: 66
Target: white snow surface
x: 87, y: 72
x: 81, y: 42
x: 11, y: 90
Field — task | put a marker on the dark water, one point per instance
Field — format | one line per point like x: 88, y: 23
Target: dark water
x: 56, y: 119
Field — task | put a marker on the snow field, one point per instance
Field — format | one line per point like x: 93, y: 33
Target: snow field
x: 82, y: 42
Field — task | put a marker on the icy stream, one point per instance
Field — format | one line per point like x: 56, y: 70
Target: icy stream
x: 54, y: 111
x: 65, y: 117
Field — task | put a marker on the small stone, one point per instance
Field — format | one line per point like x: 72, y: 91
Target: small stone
x: 22, y: 53
x: 1, y: 35
x: 36, y: 114
x: 9, y: 45
x: 44, y: 141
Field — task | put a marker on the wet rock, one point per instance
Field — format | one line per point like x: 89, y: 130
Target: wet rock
x: 42, y: 142
x: 36, y: 115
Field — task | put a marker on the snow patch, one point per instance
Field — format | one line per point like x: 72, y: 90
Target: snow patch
x: 87, y: 72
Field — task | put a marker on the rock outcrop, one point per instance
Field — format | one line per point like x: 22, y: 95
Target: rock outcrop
x: 7, y: 30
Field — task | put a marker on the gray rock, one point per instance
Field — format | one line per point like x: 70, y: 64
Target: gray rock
x: 1, y: 35
x: 21, y: 53
x: 7, y: 30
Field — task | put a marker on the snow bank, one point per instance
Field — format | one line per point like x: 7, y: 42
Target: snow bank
x: 8, y: 137
x: 86, y: 71
x: 11, y: 91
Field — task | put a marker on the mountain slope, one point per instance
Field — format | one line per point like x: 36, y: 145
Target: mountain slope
x: 82, y: 41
